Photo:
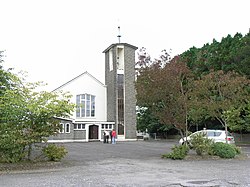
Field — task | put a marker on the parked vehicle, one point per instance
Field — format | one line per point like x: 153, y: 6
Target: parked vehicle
x: 215, y: 135
x: 142, y: 135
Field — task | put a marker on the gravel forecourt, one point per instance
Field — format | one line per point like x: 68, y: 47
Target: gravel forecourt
x: 131, y: 164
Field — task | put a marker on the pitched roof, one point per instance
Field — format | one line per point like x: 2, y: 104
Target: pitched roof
x: 83, y: 74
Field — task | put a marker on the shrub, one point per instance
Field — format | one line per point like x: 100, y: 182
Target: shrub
x: 200, y: 143
x: 16, y: 154
x: 12, y: 145
x: 237, y: 149
x: 54, y: 152
x: 224, y: 150
x: 178, y: 152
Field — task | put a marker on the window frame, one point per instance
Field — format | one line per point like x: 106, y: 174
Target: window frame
x: 85, y: 106
x: 108, y: 126
x: 61, y: 129
x: 67, y: 130
x: 80, y: 126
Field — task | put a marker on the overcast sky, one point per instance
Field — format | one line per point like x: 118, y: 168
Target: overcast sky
x: 56, y: 40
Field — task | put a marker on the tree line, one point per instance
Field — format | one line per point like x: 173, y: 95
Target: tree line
x: 202, y: 85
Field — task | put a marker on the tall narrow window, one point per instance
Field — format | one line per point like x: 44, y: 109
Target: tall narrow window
x: 88, y: 106
x: 78, y: 106
x: 110, y: 60
x: 120, y: 101
x: 85, y: 105
x: 120, y: 85
x: 92, y: 106
x: 67, y: 128
x: 61, y: 130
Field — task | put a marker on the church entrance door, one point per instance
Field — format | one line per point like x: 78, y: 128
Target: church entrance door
x: 93, y: 132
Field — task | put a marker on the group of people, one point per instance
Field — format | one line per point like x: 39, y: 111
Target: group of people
x: 111, y: 135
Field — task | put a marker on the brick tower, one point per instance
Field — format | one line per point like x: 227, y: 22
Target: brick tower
x: 120, y: 78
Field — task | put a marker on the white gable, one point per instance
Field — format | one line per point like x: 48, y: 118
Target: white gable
x: 88, y: 84
x: 85, y: 74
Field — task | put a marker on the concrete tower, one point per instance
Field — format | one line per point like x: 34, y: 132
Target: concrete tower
x: 120, y: 78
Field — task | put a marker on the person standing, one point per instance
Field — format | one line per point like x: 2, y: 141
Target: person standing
x: 107, y: 136
x: 113, y: 136
x: 110, y: 134
x: 104, y: 137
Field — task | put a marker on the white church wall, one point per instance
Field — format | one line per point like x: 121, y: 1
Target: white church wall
x: 86, y: 84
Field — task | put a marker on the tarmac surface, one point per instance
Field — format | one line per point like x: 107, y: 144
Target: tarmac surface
x: 132, y: 164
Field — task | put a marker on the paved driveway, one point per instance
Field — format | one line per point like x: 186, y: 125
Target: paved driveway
x: 134, y: 164
x: 96, y: 151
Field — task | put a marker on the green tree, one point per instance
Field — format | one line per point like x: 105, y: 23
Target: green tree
x: 217, y: 92
x: 163, y: 89
x: 146, y: 121
x: 242, y: 56
x: 5, y: 76
x: 28, y: 117
x: 230, y: 54
x: 238, y: 119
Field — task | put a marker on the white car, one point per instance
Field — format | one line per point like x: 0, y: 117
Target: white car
x: 142, y: 135
x: 215, y: 135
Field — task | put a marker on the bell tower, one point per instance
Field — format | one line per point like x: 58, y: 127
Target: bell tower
x: 120, y: 79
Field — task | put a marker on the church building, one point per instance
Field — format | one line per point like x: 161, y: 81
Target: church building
x: 102, y: 107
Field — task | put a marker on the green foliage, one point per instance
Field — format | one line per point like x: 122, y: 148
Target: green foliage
x: 147, y: 121
x: 178, y: 152
x: 238, y: 119
x: 200, y: 143
x: 163, y: 90
x: 7, y: 79
x: 237, y: 149
x: 230, y: 54
x: 11, y: 148
x: 216, y: 92
x: 242, y: 56
x: 54, y: 152
x: 27, y: 116
x: 224, y: 150
x: 217, y: 88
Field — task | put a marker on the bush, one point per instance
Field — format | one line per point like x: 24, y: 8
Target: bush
x: 54, y: 152
x: 178, y: 152
x: 14, y: 155
x: 237, y: 149
x: 12, y: 145
x: 200, y: 143
x: 224, y: 150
